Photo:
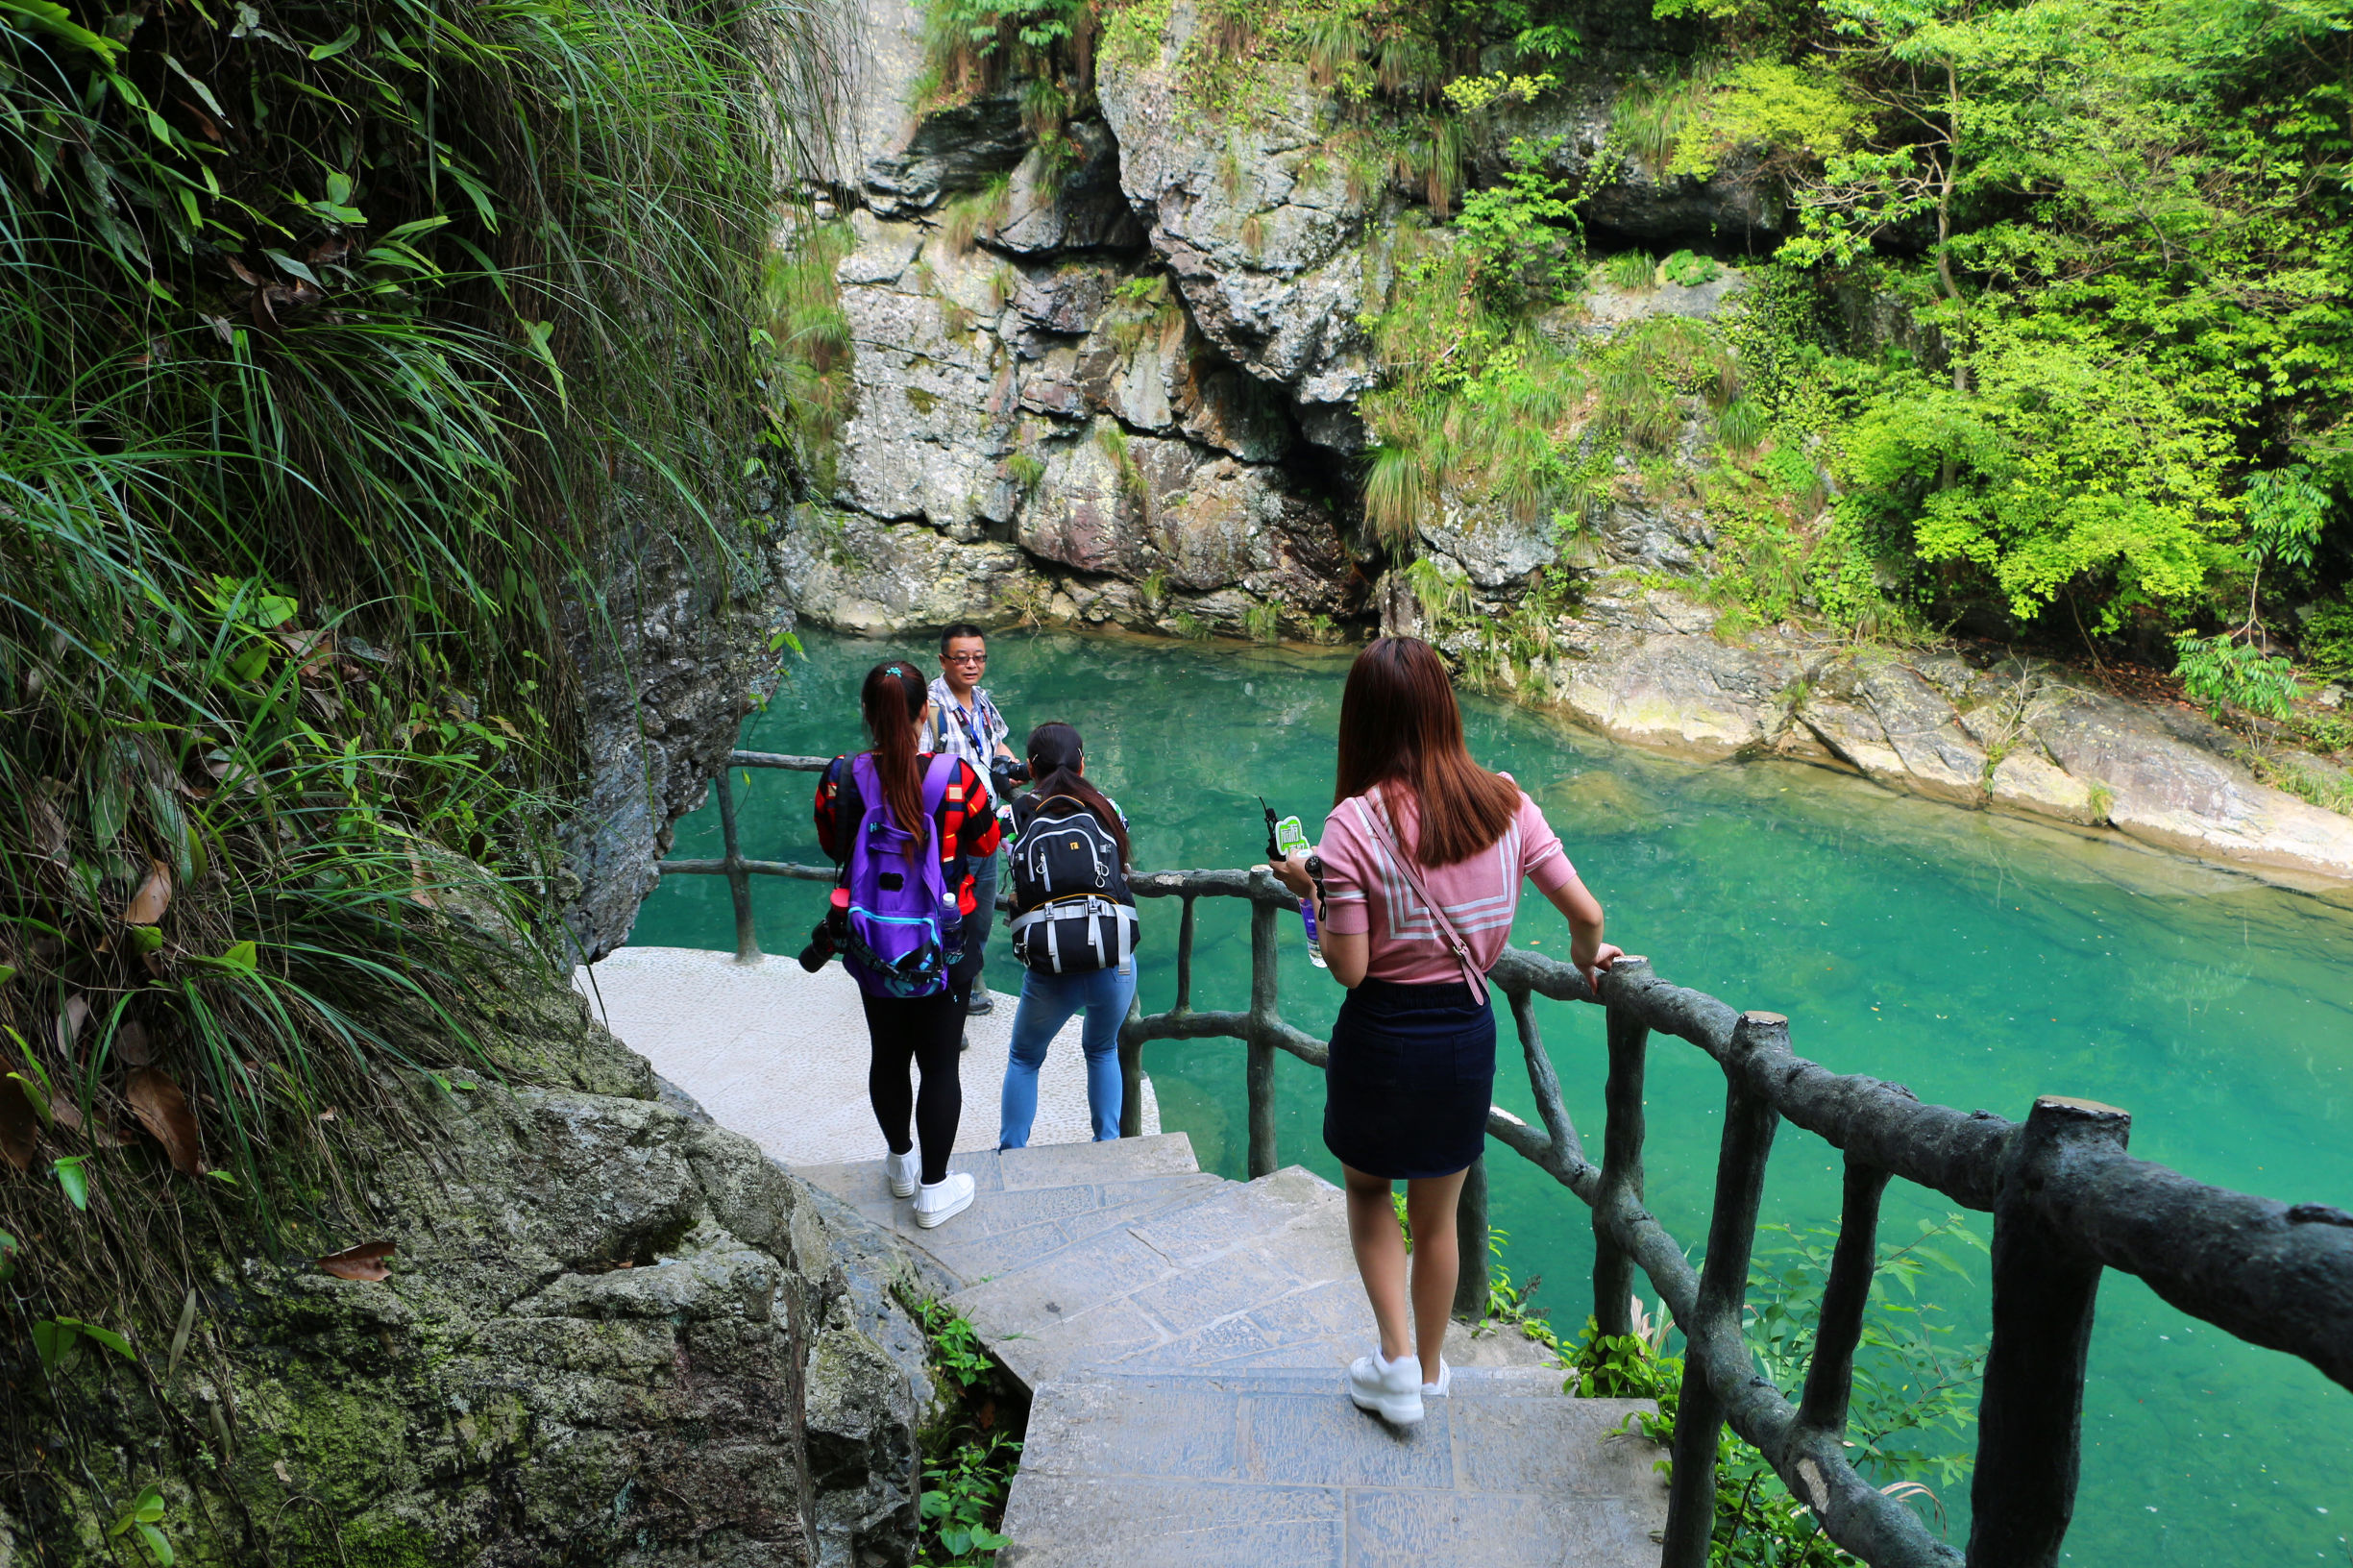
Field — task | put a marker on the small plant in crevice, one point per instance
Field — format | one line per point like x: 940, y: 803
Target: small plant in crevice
x: 1112, y: 438
x: 971, y: 1447
x: 810, y: 334
x: 1023, y: 469
x: 1263, y: 622
x: 965, y: 220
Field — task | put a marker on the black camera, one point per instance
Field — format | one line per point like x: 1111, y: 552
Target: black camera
x: 821, y: 947
x: 1004, y: 773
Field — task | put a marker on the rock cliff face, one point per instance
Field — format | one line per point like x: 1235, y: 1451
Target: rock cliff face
x: 1125, y: 389
x: 613, y: 1331
x: 672, y: 653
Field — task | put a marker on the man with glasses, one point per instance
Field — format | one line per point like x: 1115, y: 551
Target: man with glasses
x: 965, y: 723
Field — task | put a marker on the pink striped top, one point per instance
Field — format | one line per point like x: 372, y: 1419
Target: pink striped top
x: 1365, y: 894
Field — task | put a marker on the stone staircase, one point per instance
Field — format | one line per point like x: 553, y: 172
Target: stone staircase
x: 1184, y: 1338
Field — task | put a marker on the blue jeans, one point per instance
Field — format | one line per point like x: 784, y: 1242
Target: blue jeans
x: 1048, y: 1001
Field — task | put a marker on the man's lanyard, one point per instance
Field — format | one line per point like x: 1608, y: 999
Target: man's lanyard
x: 980, y: 749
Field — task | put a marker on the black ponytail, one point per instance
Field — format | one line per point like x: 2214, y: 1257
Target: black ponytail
x: 1055, y: 753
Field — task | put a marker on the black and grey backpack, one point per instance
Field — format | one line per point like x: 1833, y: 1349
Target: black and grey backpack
x: 1072, y: 909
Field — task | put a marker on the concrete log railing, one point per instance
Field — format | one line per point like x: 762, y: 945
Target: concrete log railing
x: 2068, y: 1202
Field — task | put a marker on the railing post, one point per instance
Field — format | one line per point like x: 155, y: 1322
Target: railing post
x: 1131, y: 1071
x: 1471, y: 1244
x: 739, y: 880
x: 1748, y: 1122
x: 1830, y: 1377
x: 2030, y: 1418
x: 1621, y: 1183
x: 1184, y: 959
x: 1568, y: 1149
x: 1259, y: 1074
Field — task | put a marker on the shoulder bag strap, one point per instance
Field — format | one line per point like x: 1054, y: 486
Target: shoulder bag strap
x: 1373, y: 812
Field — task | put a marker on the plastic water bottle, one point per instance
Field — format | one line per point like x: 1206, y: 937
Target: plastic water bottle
x: 1291, y: 839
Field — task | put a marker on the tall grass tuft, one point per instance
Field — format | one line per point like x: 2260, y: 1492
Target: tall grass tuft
x: 333, y: 381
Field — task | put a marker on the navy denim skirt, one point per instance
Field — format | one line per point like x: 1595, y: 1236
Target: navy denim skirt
x: 1413, y: 1072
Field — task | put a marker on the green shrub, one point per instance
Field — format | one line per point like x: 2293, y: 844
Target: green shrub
x: 2328, y: 640
x: 1689, y: 270
x: 2224, y: 673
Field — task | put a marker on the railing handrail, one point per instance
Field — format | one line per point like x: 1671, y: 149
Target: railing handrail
x: 2067, y: 1200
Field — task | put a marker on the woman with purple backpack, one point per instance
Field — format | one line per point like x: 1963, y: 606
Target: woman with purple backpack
x: 1418, y: 884
x: 905, y: 828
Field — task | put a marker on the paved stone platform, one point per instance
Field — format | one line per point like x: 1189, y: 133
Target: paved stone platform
x: 779, y: 1054
x: 1186, y: 1341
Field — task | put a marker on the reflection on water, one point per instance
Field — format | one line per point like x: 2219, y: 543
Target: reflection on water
x: 1979, y: 959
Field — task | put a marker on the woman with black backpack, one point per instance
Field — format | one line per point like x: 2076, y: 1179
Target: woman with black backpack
x: 1073, y: 929
x: 905, y: 828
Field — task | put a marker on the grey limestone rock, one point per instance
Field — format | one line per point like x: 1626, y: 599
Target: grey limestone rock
x: 951, y: 150
x: 1895, y: 728
x: 673, y: 653
x: 862, y: 574
x: 1085, y: 209
x: 1253, y: 220
x: 604, y: 1320
x: 1655, y: 678
x: 2179, y: 795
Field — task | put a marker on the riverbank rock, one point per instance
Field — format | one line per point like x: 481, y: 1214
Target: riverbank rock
x: 611, y: 1332
x: 2021, y: 736
x: 1650, y: 673
x: 2169, y: 792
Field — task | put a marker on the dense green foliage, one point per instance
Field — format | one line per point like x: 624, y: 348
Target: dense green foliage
x: 345, y: 348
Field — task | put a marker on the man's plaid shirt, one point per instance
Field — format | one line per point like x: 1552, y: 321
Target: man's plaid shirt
x: 973, y: 736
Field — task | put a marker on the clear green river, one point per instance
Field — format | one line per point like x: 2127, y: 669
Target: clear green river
x: 1978, y: 960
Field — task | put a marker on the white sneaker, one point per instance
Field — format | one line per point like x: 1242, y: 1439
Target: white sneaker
x: 1391, y: 1390
x: 902, y: 1171
x: 943, y: 1200
x: 1446, y: 1377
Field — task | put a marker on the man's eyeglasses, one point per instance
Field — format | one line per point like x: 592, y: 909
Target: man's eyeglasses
x: 964, y: 658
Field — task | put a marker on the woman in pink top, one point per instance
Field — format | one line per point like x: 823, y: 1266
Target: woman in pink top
x: 1412, y: 1067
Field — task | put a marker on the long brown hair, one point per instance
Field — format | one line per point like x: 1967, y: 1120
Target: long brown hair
x: 1055, y: 752
x: 892, y: 700
x: 1400, y: 727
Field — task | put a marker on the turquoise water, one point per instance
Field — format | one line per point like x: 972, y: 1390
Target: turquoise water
x: 1978, y: 960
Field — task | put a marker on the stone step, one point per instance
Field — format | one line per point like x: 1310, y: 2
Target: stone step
x: 1245, y: 1269
x: 1028, y: 1203
x: 1276, y: 1469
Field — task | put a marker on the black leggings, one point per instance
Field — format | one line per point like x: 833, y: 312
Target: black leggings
x: 927, y: 1030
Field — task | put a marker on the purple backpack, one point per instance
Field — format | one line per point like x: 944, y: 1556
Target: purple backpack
x: 905, y: 929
